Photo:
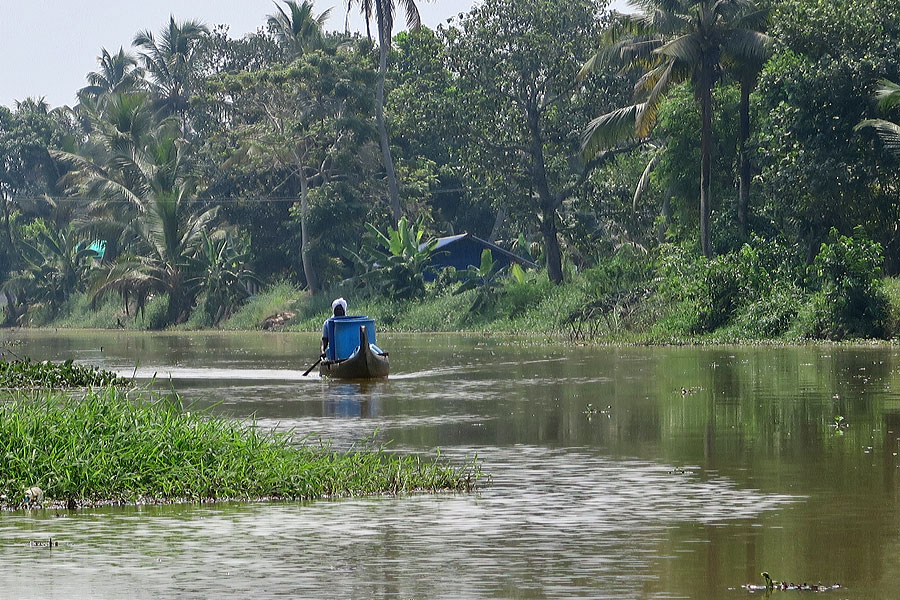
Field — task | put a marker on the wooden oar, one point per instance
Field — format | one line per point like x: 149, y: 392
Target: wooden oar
x: 312, y: 367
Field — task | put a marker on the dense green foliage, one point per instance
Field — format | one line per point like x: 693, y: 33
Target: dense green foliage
x: 25, y: 373
x: 198, y: 171
x: 107, y: 446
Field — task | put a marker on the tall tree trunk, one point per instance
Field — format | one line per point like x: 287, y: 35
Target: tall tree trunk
x: 743, y: 207
x: 311, y: 280
x: 705, y: 158
x: 396, y: 209
x: 548, y: 202
x: 8, y: 230
x: 551, y: 246
x: 498, y: 223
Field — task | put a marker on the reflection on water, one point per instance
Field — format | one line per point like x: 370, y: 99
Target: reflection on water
x: 587, y: 523
x: 705, y: 467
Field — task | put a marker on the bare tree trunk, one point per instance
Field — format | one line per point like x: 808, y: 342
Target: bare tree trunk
x: 548, y: 201
x: 311, y: 280
x: 705, y: 160
x: 7, y: 228
x: 396, y: 209
x: 498, y: 223
x: 551, y: 246
x: 743, y: 207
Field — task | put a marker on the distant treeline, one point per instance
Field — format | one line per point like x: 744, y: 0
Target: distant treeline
x: 723, y: 161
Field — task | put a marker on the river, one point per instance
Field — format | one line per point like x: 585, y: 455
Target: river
x: 615, y: 473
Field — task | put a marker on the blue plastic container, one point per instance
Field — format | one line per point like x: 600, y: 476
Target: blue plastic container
x: 343, y: 335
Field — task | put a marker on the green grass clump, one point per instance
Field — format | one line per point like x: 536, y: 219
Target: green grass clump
x: 25, y: 373
x: 108, y: 447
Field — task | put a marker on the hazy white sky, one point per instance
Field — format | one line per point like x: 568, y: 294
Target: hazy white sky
x: 47, y: 47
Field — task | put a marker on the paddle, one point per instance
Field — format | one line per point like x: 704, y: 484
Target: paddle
x: 312, y: 367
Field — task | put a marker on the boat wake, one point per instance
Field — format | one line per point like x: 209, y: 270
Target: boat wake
x: 216, y: 374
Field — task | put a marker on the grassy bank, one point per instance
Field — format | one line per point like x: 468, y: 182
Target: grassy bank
x: 106, y: 447
x: 761, y: 291
x: 576, y: 310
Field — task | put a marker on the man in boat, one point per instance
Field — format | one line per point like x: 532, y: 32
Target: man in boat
x: 338, y: 309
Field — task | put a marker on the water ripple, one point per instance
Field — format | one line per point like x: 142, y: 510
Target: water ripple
x: 554, y: 524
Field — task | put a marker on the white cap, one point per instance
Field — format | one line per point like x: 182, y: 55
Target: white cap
x: 339, y: 302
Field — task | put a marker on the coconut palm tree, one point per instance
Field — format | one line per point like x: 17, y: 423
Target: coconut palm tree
x: 142, y: 186
x: 169, y: 61
x: 167, y: 233
x: 746, y: 70
x: 118, y: 72
x: 300, y: 30
x: 674, y: 41
x: 384, y: 16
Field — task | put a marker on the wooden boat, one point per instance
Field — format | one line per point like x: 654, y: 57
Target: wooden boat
x: 365, y: 363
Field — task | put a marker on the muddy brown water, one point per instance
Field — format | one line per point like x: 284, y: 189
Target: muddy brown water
x: 692, y: 470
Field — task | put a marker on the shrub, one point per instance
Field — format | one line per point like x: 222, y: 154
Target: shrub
x: 848, y: 270
x: 890, y: 287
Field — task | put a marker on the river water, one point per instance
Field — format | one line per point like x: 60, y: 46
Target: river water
x: 615, y: 473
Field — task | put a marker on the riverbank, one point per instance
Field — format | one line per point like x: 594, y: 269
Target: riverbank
x: 756, y: 294
x: 107, y: 446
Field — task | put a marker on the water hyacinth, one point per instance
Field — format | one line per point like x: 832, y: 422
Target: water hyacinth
x: 109, y: 447
x: 25, y: 373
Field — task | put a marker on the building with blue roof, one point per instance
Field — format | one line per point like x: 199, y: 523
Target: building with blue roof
x: 464, y: 250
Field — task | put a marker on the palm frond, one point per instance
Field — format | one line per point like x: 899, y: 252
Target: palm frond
x: 888, y: 94
x: 644, y: 181
x: 645, y: 119
x: 413, y: 19
x: 888, y: 132
x: 747, y: 45
x: 685, y: 48
x: 610, y: 129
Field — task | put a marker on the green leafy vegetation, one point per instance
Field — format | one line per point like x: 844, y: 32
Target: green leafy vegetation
x: 24, y: 373
x: 740, y: 181
x: 106, y: 446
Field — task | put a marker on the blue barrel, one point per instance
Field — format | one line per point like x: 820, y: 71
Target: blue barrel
x: 343, y: 335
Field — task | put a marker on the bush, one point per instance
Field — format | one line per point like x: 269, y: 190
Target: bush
x: 755, y: 287
x: 771, y: 315
x: 519, y: 297
x: 848, y: 270
x: 890, y: 287
x: 79, y: 311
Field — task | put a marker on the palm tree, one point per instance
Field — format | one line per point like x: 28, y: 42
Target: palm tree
x: 674, y: 41
x: 142, y: 183
x: 167, y: 234
x: 746, y: 71
x: 300, y: 30
x: 384, y: 14
x: 170, y: 62
x: 118, y: 72
x: 888, y: 95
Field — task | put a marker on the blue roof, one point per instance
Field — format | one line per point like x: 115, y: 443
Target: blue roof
x: 444, y: 242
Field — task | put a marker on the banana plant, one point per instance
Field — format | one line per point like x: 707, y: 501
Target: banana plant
x: 221, y: 272
x: 399, y: 260
x: 56, y: 265
x: 486, y: 279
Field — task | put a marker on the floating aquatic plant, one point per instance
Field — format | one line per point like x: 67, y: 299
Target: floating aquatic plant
x: 25, y: 373
x: 772, y: 585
